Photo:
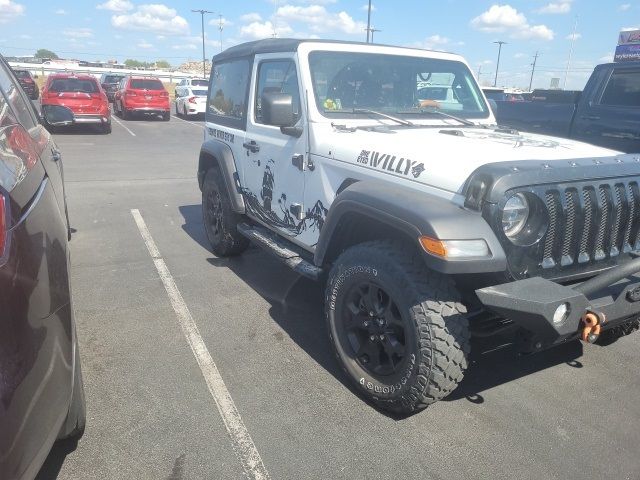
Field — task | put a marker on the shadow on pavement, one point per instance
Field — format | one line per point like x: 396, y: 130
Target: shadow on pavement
x: 297, y: 306
x: 52, y: 465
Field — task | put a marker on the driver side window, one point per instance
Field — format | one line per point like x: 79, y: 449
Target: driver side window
x: 277, y: 76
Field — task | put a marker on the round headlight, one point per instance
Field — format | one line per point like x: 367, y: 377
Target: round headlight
x: 515, y: 215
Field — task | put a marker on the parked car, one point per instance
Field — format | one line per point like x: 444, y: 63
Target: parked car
x: 191, y: 101
x: 606, y: 113
x: 28, y: 83
x: 82, y: 94
x: 109, y: 83
x: 429, y: 224
x: 141, y: 95
x: 41, y: 391
x: 192, y: 82
x: 501, y: 95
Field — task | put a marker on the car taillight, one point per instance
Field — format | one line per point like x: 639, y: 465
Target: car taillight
x: 192, y: 100
x: 130, y: 93
x: 3, y: 225
x: 164, y: 93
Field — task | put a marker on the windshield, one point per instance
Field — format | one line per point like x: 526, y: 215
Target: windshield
x: 147, y: 84
x: 113, y: 78
x: 200, y: 83
x: 21, y: 73
x: 393, y: 84
x: 73, y: 85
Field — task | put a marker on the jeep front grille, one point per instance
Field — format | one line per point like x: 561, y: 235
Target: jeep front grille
x: 591, y: 226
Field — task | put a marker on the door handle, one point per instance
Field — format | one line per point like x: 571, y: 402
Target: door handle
x: 590, y: 117
x: 251, y: 146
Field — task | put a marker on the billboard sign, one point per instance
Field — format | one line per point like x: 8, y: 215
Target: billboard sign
x: 627, y: 53
x: 629, y: 37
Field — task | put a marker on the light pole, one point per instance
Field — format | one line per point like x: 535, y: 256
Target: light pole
x: 533, y: 69
x: 204, y: 56
x: 500, y: 43
x: 372, y: 31
x: 369, y: 21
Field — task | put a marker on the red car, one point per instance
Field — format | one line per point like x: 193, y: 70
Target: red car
x: 80, y: 93
x: 141, y: 95
x: 27, y: 83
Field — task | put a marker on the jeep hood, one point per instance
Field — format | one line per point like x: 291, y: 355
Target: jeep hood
x: 444, y: 157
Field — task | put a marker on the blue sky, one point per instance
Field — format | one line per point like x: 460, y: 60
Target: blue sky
x: 167, y: 29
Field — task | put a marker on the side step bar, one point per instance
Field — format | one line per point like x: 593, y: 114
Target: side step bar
x: 281, y: 249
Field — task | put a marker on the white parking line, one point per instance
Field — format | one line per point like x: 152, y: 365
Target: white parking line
x: 192, y: 123
x: 123, y: 125
x: 240, y: 438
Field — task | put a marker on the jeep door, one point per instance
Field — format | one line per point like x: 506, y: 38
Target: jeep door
x: 273, y: 169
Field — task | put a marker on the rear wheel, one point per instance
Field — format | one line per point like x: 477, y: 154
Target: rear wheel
x: 220, y: 221
x: 126, y: 115
x: 398, y: 329
x: 166, y: 116
x: 106, y: 127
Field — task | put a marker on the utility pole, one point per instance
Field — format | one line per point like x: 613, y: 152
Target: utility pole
x: 204, y: 56
x: 533, y: 69
x: 500, y: 43
x: 479, y: 72
x: 573, y: 40
x: 369, y: 21
x: 220, y: 27
x: 373, y: 30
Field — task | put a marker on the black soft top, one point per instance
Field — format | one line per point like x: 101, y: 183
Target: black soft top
x: 278, y: 45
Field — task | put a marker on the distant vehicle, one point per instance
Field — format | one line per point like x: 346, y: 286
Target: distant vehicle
x: 82, y: 94
x: 191, y: 101
x: 192, y: 82
x: 555, y: 96
x: 606, y: 113
x: 109, y: 83
x: 28, y: 83
x: 41, y: 391
x: 141, y: 95
x: 500, y: 95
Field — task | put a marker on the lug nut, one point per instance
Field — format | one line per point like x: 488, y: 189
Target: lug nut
x: 371, y: 314
x: 366, y: 323
x: 380, y: 322
x: 372, y: 338
x: 381, y: 337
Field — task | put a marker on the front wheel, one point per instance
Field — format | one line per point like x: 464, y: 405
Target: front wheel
x: 397, y: 328
x: 220, y: 221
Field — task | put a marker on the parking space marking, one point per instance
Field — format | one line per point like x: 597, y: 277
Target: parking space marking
x: 187, y: 121
x: 123, y: 126
x: 242, y: 443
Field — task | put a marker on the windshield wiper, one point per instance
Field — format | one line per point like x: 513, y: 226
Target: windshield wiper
x: 463, y: 121
x: 401, y: 121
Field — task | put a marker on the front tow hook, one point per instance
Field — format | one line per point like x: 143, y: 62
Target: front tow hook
x: 592, y: 324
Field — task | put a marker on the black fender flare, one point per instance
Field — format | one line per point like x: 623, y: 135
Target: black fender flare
x: 413, y: 213
x: 223, y: 158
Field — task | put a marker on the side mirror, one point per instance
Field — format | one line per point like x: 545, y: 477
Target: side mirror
x: 277, y: 109
x: 57, y: 115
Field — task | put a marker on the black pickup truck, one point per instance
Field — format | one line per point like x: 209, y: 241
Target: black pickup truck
x: 607, y: 113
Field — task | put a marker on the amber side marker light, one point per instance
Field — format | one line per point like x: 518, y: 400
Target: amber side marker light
x: 455, y: 248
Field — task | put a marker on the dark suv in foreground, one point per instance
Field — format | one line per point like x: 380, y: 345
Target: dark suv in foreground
x: 41, y: 392
x: 28, y: 83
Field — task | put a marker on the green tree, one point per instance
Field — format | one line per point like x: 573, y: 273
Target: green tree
x: 162, y: 64
x: 44, y: 53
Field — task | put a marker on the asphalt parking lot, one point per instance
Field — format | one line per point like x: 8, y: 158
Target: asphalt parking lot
x: 569, y: 413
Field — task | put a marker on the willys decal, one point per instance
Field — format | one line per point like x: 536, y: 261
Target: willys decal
x: 391, y: 163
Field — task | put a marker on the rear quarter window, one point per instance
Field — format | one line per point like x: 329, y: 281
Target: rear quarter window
x: 227, y: 104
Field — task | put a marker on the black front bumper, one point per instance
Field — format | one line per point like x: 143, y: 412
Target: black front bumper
x: 532, y: 302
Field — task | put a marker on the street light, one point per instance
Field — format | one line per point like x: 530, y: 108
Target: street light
x: 500, y: 43
x: 204, y: 56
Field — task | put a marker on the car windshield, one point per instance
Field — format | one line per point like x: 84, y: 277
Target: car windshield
x: 21, y: 73
x: 73, y: 85
x: 393, y: 84
x: 113, y: 78
x: 200, y: 83
x: 199, y: 92
x: 147, y: 84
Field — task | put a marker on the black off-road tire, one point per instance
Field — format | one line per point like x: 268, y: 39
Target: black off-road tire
x: 166, y: 116
x: 126, y: 115
x: 106, y: 128
x: 74, y: 425
x: 220, y: 221
x: 436, y: 334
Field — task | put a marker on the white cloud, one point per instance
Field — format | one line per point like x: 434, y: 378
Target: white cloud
x: 506, y: 19
x: 433, y: 42
x: 555, y: 8
x: 60, y: 11
x: 258, y: 30
x: 215, y: 22
x: 624, y: 7
x: 185, y: 46
x: 319, y: 20
x: 574, y: 36
x: 116, y: 5
x: 78, y: 32
x: 608, y: 58
x: 155, y: 18
x: 144, y: 44
x: 251, y: 17
x: 520, y: 55
x: 10, y: 10
x: 24, y: 36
